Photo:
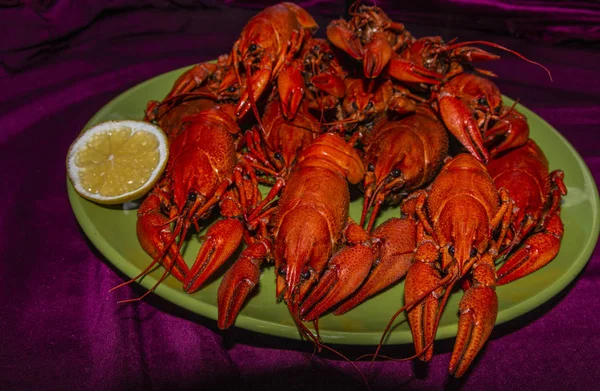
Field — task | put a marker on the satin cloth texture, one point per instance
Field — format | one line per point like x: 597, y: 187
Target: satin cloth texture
x: 61, y: 329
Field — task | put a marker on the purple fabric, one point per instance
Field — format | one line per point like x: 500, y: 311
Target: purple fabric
x: 60, y: 329
x: 51, y: 25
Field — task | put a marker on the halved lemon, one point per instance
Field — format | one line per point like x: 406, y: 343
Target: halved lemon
x: 117, y: 161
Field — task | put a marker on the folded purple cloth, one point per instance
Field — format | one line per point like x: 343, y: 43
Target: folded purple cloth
x: 52, y: 25
x: 60, y: 329
x: 547, y: 20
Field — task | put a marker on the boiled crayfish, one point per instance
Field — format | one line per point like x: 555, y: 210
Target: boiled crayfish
x: 402, y: 156
x: 379, y: 108
x: 199, y: 171
x: 537, y: 193
x: 460, y: 224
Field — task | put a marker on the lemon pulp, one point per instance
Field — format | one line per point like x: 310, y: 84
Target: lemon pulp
x: 117, y: 161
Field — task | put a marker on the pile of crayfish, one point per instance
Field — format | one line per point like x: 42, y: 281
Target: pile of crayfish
x: 410, y: 122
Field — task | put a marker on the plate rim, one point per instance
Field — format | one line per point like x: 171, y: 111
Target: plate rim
x: 398, y: 337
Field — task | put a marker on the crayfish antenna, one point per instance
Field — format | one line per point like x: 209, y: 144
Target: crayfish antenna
x: 149, y: 267
x: 180, y: 231
x: 497, y: 46
x: 377, y: 198
x: 406, y: 307
x: 416, y: 355
x: 316, y: 339
x: 317, y: 348
x: 149, y: 291
x: 374, y: 214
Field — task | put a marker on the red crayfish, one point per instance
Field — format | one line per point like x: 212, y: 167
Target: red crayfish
x: 321, y: 126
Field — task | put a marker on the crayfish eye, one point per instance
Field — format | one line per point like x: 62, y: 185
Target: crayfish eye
x: 278, y: 156
x: 451, y: 250
x: 395, y: 173
x: 231, y: 89
x: 371, y: 167
x: 305, y: 275
x: 281, y: 270
x: 252, y: 47
x: 330, y: 56
x: 473, y: 252
x: 369, y: 105
x: 192, y: 197
x: 354, y: 105
x: 483, y: 101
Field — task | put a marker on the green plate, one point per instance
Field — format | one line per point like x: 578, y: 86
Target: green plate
x: 112, y: 230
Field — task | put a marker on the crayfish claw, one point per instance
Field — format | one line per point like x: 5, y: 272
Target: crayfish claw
x: 377, y: 54
x: 257, y: 83
x: 512, y: 130
x: 290, y: 84
x: 537, y: 251
x: 421, y: 279
x: 341, y: 35
x: 239, y: 282
x: 221, y: 241
x: 459, y: 121
x: 156, y: 238
x: 397, y: 241
x: 329, y: 83
x: 348, y: 268
x: 478, y: 309
x: 406, y: 71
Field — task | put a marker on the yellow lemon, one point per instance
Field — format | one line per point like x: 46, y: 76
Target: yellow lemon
x: 117, y: 161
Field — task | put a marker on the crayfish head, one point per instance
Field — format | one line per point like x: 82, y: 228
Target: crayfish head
x: 464, y: 232
x: 358, y: 105
x: 229, y: 86
x: 255, y: 41
x: 284, y: 157
x: 301, y: 253
x: 292, y: 283
x: 286, y: 139
x: 479, y: 92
